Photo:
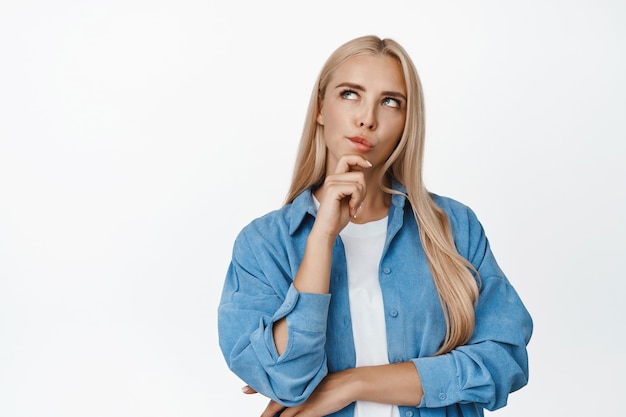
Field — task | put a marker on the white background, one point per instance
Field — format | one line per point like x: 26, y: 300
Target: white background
x: 138, y: 137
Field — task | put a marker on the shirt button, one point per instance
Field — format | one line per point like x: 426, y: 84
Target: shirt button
x: 409, y: 413
x: 398, y: 360
x: 393, y: 313
x: 442, y: 396
x: 387, y: 270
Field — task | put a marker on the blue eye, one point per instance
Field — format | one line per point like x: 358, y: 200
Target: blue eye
x: 391, y: 102
x: 349, y: 95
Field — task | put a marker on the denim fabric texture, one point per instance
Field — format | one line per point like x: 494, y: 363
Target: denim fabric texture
x: 259, y: 290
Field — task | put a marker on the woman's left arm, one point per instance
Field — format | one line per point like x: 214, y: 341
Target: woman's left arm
x: 397, y: 383
x: 494, y: 362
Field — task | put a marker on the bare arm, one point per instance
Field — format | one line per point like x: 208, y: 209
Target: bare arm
x: 343, y: 193
x: 397, y: 384
x: 313, y: 276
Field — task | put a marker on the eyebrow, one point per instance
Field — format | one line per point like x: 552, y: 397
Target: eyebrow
x: 361, y: 88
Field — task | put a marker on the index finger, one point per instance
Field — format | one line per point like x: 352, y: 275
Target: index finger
x: 347, y: 162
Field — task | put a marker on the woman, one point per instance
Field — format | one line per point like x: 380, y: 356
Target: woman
x: 365, y: 294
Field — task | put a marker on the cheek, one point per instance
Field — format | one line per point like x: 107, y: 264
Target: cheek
x: 329, y: 117
x: 401, y: 124
x: 396, y: 127
x: 393, y: 144
x: 329, y: 112
x: 395, y: 134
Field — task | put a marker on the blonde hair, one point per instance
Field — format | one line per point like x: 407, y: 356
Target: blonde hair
x: 453, y: 275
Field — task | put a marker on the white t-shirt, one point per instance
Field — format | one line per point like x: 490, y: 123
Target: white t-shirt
x: 364, y: 245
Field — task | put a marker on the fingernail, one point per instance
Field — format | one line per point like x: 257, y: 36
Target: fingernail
x: 368, y: 163
x: 245, y: 389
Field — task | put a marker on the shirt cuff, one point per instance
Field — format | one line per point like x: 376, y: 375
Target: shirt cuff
x: 305, y: 311
x: 439, y: 381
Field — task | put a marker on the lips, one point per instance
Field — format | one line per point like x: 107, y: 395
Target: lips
x: 361, y: 144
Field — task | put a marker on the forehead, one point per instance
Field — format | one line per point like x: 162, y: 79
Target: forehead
x: 379, y: 72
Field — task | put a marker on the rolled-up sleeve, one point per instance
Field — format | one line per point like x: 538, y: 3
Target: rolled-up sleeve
x: 494, y: 362
x: 258, y: 291
x: 491, y: 365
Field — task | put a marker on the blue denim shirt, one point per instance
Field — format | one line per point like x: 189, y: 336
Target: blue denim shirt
x: 259, y: 290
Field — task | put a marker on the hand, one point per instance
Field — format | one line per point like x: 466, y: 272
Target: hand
x: 272, y: 408
x: 341, y: 195
x: 331, y: 395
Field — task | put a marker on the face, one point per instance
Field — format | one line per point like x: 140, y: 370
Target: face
x: 364, y: 109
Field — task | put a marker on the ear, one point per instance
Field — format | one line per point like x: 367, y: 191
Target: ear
x: 320, y: 118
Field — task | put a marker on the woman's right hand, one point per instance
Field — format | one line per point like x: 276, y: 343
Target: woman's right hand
x: 341, y: 196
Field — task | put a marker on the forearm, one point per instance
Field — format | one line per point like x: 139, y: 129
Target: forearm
x: 313, y: 276
x: 314, y: 272
x: 397, y: 384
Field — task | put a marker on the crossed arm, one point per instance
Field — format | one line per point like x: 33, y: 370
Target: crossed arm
x: 401, y: 386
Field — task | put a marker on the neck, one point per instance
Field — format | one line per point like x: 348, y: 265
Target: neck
x: 374, y: 207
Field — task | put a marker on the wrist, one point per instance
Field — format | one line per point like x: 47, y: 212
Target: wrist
x: 358, y: 384
x: 353, y: 385
x: 321, y: 238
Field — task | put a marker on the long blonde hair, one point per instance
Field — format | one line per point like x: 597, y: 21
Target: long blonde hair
x: 453, y: 275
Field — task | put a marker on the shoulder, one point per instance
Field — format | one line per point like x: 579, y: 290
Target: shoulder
x: 257, y: 240
x: 459, y: 214
x: 279, y: 224
x: 469, y: 235
x: 268, y: 224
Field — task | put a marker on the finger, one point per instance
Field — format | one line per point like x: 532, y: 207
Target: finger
x: 352, y: 177
x: 272, y: 408
x: 248, y: 390
x: 352, y: 187
x: 348, y: 163
x: 352, y: 193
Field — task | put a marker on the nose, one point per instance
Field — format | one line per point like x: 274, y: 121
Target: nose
x: 367, y: 118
